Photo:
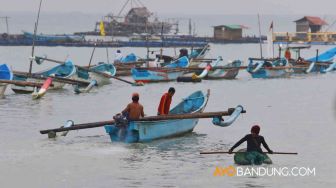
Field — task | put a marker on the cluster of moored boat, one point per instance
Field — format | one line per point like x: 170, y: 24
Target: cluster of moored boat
x: 185, y: 68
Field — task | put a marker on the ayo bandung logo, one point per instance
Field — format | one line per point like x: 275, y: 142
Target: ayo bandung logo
x: 228, y: 171
x: 264, y: 171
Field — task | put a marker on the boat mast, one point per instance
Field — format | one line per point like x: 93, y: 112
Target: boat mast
x: 261, y: 56
x: 6, y: 19
x: 34, y: 38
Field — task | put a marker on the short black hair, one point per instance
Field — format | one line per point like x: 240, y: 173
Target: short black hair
x: 135, y: 98
x: 171, y: 90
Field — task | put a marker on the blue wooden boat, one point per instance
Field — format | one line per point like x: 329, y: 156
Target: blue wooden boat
x: 265, y: 68
x: 169, y: 73
x: 5, y: 74
x: 320, y: 64
x: 130, y: 58
x: 101, y: 67
x: 327, y: 56
x: 105, y: 68
x: 66, y: 70
x: 230, y: 73
x: 144, y: 131
x: 196, y: 53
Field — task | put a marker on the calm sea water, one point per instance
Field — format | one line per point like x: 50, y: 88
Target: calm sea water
x: 297, y: 114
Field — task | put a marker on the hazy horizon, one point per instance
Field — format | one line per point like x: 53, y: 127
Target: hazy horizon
x: 296, y: 7
x: 61, y: 16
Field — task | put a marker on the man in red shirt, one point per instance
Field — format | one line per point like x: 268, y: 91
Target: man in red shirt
x: 165, y: 102
x: 288, y: 54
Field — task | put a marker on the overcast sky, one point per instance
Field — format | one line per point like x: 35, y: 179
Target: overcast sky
x: 305, y: 7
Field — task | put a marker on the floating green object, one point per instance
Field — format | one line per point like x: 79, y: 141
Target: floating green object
x: 248, y: 158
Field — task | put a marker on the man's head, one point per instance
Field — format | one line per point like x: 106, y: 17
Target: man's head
x: 118, y: 51
x: 171, y: 91
x: 135, y: 97
x: 255, y: 129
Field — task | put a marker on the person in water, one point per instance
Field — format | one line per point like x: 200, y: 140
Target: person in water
x: 134, y: 110
x: 254, y: 140
x: 165, y: 102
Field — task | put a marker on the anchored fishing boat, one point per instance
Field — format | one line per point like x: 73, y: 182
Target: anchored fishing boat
x: 322, y: 63
x: 194, y: 57
x: 269, y: 68
x: 228, y: 71
x: 5, y: 74
x: 101, y: 73
x: 169, y: 73
x: 144, y: 131
x: 66, y: 71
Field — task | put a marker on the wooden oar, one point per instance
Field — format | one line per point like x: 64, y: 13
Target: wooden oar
x: 97, y: 72
x: 22, y: 83
x: 226, y: 152
x: 149, y: 118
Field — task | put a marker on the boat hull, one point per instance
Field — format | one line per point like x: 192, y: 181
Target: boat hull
x: 146, y: 76
x: 270, y: 74
x: 222, y: 74
x: 66, y: 70
x: 101, y: 80
x: 225, y: 73
x: 28, y: 89
x: 148, y: 131
x: 269, y: 69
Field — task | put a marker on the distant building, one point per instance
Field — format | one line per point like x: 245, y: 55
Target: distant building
x: 228, y: 32
x: 310, y: 24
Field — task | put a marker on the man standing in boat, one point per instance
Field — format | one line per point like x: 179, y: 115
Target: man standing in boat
x: 254, y: 140
x: 134, y: 110
x: 288, y: 55
x: 165, y: 102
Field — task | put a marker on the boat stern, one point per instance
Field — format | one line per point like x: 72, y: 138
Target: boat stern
x: 125, y: 134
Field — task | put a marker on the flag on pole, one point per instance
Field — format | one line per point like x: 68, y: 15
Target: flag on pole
x: 270, y: 48
x: 102, y: 28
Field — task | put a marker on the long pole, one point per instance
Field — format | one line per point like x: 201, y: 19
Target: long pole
x: 34, y: 38
x: 226, y: 152
x: 260, y: 41
x: 272, y: 39
x: 7, y: 24
x: 107, y: 56
x: 149, y: 118
x: 94, y: 49
x: 6, y: 20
